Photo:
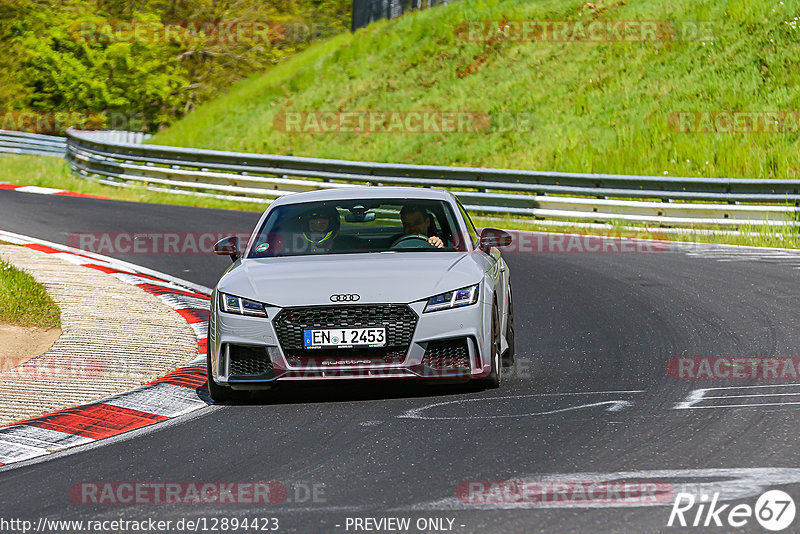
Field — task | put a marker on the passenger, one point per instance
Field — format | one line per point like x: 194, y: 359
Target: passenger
x: 319, y: 228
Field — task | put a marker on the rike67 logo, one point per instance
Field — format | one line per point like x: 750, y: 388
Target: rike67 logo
x: 774, y: 510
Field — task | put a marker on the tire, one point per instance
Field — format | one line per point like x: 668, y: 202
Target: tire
x: 495, y: 376
x: 221, y: 393
x: 510, y: 353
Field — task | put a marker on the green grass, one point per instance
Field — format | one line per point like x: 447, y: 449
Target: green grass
x: 595, y: 107
x: 24, y: 302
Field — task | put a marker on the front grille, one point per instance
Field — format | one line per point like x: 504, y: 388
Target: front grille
x: 249, y: 361
x: 449, y: 354
x: 399, y: 321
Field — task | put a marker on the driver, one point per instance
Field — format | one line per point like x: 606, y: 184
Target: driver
x: 417, y: 221
x: 319, y: 228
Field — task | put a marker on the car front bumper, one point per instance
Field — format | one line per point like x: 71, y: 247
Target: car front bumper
x: 248, y: 353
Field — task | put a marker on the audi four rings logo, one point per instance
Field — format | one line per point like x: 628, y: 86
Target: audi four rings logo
x: 352, y: 297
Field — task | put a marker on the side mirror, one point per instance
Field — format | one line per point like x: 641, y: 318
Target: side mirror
x: 228, y: 246
x: 491, y: 237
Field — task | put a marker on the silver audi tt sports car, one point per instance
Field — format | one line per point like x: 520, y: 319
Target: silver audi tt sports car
x: 361, y: 283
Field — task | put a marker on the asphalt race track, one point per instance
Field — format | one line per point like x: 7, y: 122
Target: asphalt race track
x: 590, y: 399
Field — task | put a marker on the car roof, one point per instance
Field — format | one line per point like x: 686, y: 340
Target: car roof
x: 365, y: 192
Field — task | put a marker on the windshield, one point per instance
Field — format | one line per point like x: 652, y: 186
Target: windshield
x: 358, y: 226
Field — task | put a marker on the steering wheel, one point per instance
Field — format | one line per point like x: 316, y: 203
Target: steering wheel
x: 410, y: 237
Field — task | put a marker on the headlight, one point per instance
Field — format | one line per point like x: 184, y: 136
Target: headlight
x: 453, y: 299
x: 231, y: 304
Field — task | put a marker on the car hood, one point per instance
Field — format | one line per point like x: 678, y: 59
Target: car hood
x: 380, y: 277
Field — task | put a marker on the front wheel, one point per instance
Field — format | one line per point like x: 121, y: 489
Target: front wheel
x: 495, y: 376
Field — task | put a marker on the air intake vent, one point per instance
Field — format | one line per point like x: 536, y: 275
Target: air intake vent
x: 249, y: 361
x: 446, y: 355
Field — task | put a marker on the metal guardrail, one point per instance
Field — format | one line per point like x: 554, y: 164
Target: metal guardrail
x: 653, y: 200
x: 29, y: 143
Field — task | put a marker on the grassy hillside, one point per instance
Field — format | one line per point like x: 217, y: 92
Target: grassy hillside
x: 594, y: 107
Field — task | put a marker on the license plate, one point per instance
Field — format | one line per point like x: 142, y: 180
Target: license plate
x: 344, y: 338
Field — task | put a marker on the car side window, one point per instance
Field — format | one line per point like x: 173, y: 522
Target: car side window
x: 473, y: 234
